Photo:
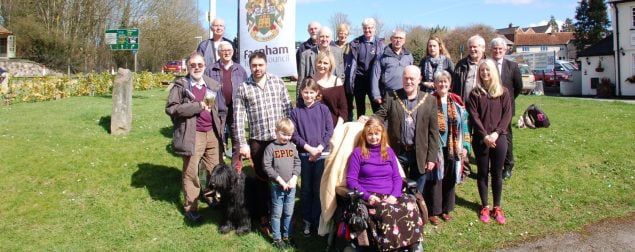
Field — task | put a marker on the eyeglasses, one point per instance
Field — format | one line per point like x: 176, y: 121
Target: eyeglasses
x: 195, y: 65
x: 225, y: 50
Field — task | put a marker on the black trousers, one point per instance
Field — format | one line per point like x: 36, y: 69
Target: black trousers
x: 490, y: 161
x: 349, y: 102
x: 440, y: 194
x: 231, y: 136
x: 262, y: 192
x: 509, y: 157
x: 361, y: 90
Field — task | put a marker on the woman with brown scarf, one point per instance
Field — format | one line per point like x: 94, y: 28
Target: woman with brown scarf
x: 455, y: 145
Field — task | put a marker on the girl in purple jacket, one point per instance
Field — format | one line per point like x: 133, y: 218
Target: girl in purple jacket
x: 314, y: 128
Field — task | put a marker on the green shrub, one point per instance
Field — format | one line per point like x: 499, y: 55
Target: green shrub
x: 55, y: 88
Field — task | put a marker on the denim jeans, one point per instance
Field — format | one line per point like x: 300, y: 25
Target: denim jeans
x: 281, y: 211
x: 311, y: 175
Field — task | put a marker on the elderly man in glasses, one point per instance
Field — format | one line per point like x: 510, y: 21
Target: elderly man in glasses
x: 197, y: 128
x: 230, y: 75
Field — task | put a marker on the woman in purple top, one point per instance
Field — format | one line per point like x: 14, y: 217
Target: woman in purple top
x: 314, y: 128
x: 373, y: 170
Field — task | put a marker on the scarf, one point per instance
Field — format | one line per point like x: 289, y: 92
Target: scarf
x: 452, y: 126
x: 431, y: 65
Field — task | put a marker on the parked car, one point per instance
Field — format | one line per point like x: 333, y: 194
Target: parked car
x: 563, y: 72
x: 174, y: 66
x: 529, y: 82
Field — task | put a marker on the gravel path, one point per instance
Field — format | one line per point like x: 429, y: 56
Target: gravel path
x: 607, y: 235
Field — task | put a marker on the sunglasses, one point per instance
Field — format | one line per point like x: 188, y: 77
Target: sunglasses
x: 195, y: 65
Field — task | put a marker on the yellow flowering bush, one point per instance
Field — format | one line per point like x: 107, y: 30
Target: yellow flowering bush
x: 59, y: 87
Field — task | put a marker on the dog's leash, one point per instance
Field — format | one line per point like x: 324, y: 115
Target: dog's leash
x: 239, y: 167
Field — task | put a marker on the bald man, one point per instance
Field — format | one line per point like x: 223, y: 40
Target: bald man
x: 413, y: 131
x: 209, y: 48
x: 313, y: 29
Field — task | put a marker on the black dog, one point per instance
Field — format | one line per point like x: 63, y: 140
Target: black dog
x: 231, y: 185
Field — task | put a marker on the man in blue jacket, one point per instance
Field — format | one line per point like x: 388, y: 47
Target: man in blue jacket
x: 388, y: 73
x: 364, y: 53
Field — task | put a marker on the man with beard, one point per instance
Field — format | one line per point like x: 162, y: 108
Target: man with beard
x: 262, y: 99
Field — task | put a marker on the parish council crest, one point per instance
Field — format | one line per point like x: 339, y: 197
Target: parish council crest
x: 264, y: 18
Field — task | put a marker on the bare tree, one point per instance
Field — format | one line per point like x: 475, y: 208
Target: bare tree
x: 338, y: 18
x: 457, y: 38
x: 379, y: 27
x: 416, y: 40
x: 69, y: 34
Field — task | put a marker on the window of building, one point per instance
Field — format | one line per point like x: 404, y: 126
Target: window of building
x: 595, y: 82
x: 633, y: 64
x: 543, y: 48
x: 633, y: 16
x: 525, y: 48
x: 3, y: 47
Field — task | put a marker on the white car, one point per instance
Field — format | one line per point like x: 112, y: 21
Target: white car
x: 529, y: 82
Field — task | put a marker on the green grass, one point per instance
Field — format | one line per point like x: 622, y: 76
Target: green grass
x: 66, y: 184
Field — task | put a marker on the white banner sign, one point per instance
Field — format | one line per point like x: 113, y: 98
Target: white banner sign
x: 268, y: 26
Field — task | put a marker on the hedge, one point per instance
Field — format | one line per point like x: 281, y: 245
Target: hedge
x: 59, y: 87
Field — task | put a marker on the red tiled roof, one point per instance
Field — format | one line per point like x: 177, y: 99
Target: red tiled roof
x: 4, y: 31
x: 558, y: 38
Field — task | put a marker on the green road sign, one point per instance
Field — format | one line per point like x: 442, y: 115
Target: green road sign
x: 123, y: 39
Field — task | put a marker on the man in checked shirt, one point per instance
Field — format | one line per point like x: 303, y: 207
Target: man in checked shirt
x: 262, y: 100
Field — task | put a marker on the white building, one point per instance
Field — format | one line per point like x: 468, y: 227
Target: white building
x: 557, y: 42
x: 623, y: 23
x: 597, y: 63
x: 7, y: 43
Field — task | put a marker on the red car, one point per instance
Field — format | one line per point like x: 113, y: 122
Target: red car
x: 173, y: 66
x: 562, y: 73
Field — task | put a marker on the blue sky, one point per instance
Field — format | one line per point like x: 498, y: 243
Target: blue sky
x: 449, y: 13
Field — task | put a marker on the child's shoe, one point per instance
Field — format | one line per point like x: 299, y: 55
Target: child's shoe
x: 279, y: 244
x: 289, y: 242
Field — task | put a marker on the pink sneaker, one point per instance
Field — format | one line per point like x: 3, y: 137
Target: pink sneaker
x: 499, y: 215
x: 485, y: 215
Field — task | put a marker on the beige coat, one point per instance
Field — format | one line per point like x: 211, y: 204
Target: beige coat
x: 342, y: 143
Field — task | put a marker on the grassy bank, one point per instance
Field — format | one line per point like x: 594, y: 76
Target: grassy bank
x: 66, y: 184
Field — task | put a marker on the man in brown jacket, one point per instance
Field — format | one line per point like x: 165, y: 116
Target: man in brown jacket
x: 197, y: 129
x: 413, y: 131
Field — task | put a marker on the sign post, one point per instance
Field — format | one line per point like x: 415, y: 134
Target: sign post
x: 125, y: 40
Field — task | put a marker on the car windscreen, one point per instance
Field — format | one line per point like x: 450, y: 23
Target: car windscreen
x: 569, y: 66
x: 524, y: 70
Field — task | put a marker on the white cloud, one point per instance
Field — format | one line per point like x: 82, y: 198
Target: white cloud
x: 514, y: 2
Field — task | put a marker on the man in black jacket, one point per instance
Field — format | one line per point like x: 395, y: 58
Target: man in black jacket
x: 512, y: 80
x: 465, y: 74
